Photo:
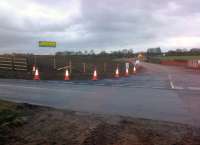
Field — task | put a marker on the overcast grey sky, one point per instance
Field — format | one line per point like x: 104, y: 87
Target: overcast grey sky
x: 98, y: 24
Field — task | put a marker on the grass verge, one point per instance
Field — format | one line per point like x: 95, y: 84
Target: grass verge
x: 179, y: 57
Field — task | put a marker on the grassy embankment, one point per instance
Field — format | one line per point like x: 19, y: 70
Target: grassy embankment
x: 158, y: 59
x: 10, y: 117
x: 179, y: 57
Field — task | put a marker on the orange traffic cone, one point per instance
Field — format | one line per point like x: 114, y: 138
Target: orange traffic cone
x: 94, y: 78
x: 127, y: 72
x: 134, y: 70
x: 33, y: 68
x: 117, y: 73
x: 66, y: 75
x: 36, y: 76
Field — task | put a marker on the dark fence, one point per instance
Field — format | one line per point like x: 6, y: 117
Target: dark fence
x: 195, y: 64
x: 53, y: 67
x: 11, y: 62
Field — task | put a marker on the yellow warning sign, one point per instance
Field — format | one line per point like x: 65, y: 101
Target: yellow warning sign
x: 47, y: 44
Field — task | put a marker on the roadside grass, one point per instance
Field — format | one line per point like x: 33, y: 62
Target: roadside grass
x: 10, y: 118
x: 6, y: 105
x: 185, y: 57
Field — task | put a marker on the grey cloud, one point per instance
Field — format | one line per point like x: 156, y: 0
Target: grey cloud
x: 101, y: 24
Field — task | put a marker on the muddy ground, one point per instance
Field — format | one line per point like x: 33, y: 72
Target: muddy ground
x: 23, y: 124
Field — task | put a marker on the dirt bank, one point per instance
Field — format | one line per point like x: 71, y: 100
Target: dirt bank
x: 23, y: 124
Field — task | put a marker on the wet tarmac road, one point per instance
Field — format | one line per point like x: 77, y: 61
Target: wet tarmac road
x: 155, y: 93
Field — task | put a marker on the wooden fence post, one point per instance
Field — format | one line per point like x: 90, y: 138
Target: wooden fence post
x: 84, y: 67
x: 104, y: 67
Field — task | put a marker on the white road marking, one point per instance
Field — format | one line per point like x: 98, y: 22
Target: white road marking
x: 44, y: 88
x: 25, y: 87
x: 79, y: 83
x: 158, y: 88
x: 100, y: 84
x: 178, y: 88
x: 171, y: 82
x: 194, y: 88
x: 172, y: 85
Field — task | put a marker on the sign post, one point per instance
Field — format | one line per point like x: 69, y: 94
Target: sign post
x: 104, y: 67
x: 127, y: 65
x: 49, y: 44
x: 54, y: 61
x: 84, y: 67
x: 127, y: 69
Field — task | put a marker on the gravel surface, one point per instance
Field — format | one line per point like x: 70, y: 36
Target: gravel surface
x: 47, y: 126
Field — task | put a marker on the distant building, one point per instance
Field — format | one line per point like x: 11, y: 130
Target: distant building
x: 154, y: 51
x: 195, y: 50
x: 179, y: 50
